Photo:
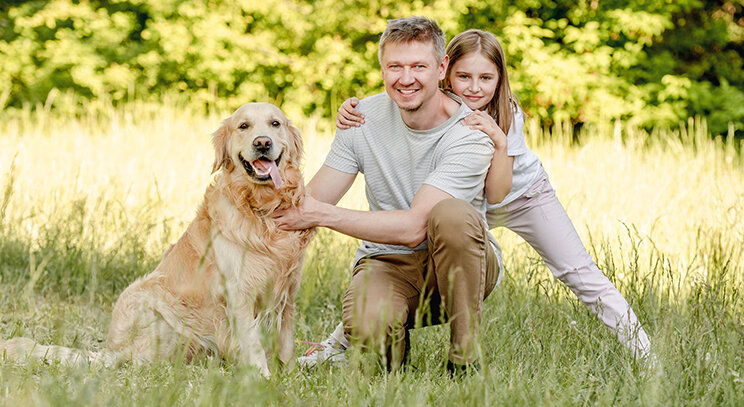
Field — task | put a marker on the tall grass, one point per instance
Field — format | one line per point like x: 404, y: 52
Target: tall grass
x: 90, y: 203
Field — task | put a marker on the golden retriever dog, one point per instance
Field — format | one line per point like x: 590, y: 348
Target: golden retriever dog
x: 232, y: 277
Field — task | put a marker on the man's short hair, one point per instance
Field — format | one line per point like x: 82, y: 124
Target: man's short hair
x: 409, y: 29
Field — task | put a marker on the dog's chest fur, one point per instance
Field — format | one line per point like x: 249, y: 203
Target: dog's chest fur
x: 251, y: 256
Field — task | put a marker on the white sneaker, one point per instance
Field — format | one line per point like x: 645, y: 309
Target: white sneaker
x: 328, y: 351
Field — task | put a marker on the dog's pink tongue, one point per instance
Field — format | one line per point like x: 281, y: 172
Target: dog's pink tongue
x: 269, y: 167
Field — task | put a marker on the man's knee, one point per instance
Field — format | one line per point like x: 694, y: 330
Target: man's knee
x: 451, y: 220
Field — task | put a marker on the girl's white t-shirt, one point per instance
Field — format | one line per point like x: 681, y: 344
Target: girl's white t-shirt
x: 527, y: 166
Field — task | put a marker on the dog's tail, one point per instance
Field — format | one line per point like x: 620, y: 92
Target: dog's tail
x: 23, y: 349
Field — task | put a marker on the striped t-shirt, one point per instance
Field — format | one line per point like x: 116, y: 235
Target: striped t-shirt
x: 397, y: 160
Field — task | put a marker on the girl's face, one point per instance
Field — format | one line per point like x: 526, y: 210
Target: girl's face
x: 474, y: 79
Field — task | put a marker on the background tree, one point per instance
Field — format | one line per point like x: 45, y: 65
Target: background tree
x: 650, y: 62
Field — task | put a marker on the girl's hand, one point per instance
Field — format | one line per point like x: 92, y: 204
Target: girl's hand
x: 480, y: 120
x: 348, y: 116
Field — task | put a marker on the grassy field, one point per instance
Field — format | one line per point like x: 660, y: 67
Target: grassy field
x: 88, y: 204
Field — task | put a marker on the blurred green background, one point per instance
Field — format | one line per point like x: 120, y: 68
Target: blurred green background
x: 652, y: 63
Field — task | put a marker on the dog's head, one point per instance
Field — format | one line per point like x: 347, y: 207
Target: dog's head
x: 260, y: 143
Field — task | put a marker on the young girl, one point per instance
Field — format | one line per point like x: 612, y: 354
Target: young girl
x: 519, y: 194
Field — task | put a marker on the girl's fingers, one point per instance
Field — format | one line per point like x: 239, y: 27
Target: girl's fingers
x: 347, y: 116
x: 477, y: 115
x: 346, y: 121
x: 341, y: 125
x: 482, y: 121
x: 356, y: 116
x: 475, y: 126
x: 351, y: 114
x: 472, y: 123
x: 470, y: 118
x: 342, y: 122
x: 352, y: 121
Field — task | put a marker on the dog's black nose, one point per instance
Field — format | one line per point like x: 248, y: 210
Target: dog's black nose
x: 262, y: 144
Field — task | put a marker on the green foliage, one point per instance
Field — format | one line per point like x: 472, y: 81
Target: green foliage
x: 651, y: 62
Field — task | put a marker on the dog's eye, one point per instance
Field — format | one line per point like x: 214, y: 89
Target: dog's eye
x: 276, y: 123
x: 243, y: 125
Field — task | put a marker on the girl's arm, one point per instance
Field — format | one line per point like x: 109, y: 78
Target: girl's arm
x: 499, y: 177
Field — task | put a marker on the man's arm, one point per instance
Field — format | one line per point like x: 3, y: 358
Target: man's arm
x: 329, y: 185
x: 402, y: 227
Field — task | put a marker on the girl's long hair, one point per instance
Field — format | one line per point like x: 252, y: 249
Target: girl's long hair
x: 503, y: 105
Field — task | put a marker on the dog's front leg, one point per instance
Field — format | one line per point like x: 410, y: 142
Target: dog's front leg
x: 251, y: 350
x: 285, y: 334
x: 246, y: 338
x: 245, y: 329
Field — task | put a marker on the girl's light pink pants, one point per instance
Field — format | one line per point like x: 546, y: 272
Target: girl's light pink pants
x: 540, y: 219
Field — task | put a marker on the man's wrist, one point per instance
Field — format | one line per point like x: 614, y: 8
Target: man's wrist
x: 319, y: 214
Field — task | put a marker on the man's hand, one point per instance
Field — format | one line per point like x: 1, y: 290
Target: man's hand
x: 301, y: 217
x: 401, y: 227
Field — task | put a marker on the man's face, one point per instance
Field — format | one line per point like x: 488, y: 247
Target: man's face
x: 411, y: 73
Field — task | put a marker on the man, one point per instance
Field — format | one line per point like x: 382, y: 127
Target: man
x: 426, y: 245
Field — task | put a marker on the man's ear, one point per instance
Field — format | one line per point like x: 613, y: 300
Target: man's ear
x: 443, y: 67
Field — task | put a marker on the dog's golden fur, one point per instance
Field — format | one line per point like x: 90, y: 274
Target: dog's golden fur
x: 232, y: 276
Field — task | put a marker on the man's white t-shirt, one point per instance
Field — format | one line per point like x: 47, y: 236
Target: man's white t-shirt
x: 397, y: 160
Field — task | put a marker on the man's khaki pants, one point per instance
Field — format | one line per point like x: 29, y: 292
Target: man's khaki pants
x: 390, y: 294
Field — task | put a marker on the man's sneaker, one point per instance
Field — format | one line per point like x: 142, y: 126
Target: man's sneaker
x: 328, y: 351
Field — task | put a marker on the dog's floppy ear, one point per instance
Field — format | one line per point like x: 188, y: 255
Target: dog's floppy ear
x: 219, y: 140
x: 295, y: 144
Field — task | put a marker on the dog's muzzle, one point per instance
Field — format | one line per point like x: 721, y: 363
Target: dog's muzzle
x: 263, y: 169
